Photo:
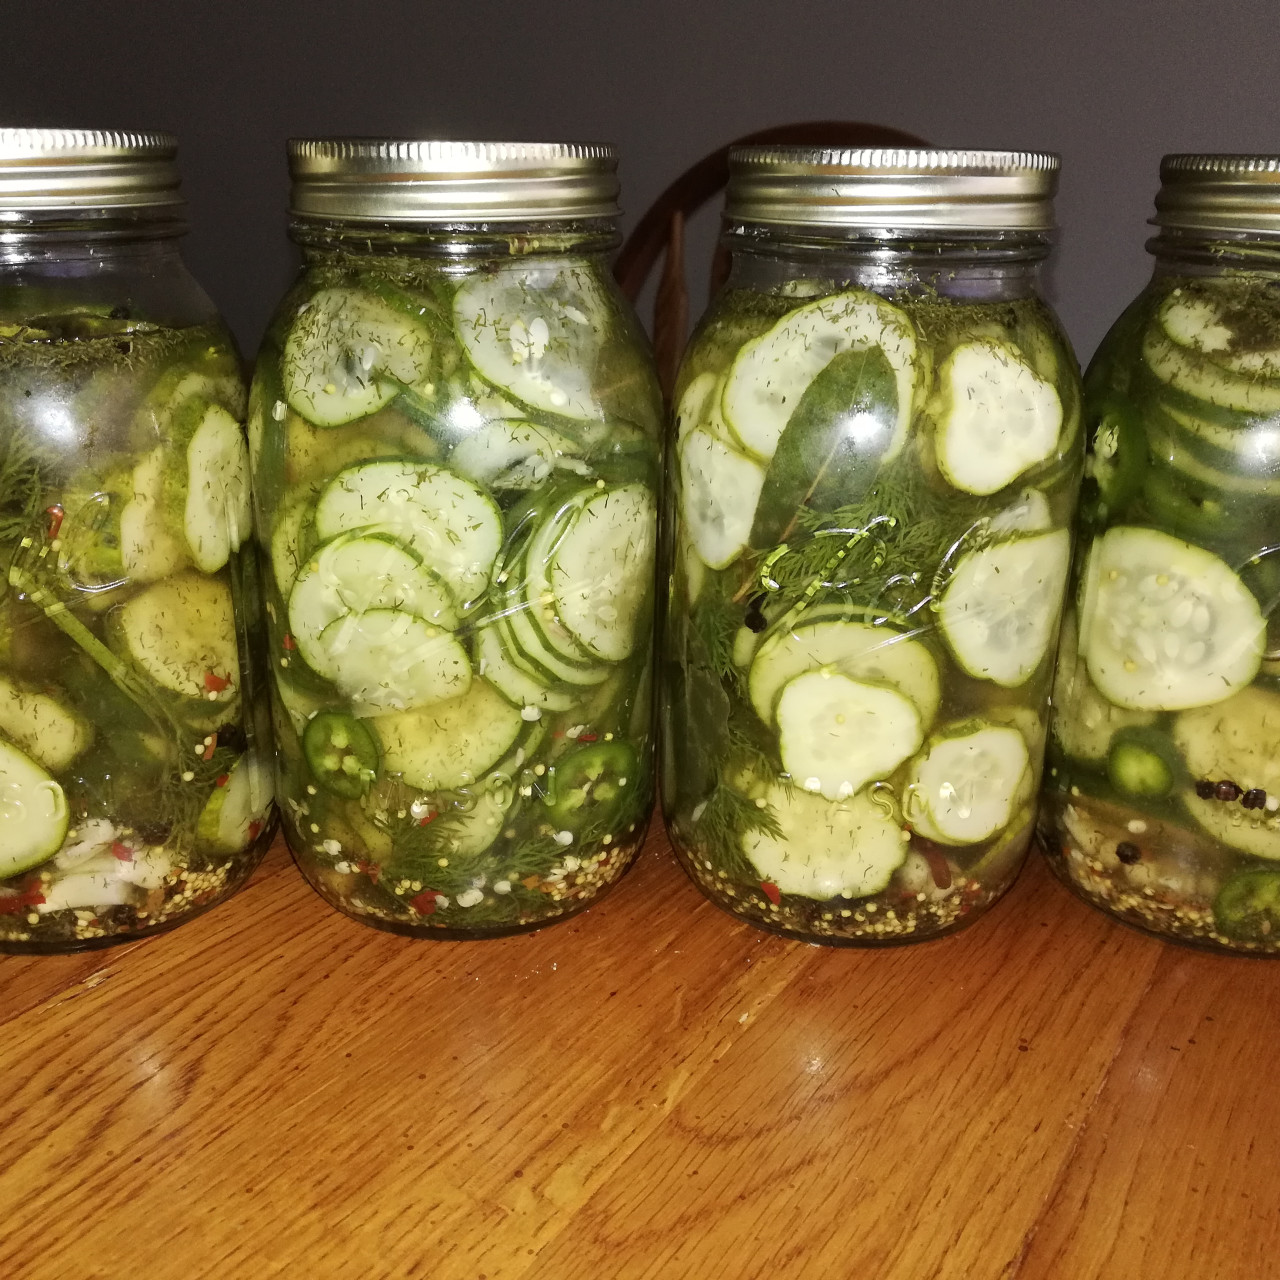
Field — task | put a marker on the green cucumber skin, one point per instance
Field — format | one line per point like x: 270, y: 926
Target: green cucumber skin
x: 718, y: 752
x: 381, y: 828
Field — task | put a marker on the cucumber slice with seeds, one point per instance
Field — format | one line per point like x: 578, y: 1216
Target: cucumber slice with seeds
x: 969, y: 784
x: 822, y: 849
x: 181, y: 634
x: 34, y: 817
x: 52, y: 734
x: 535, y: 329
x: 354, y: 574
x: 452, y: 743
x: 771, y: 373
x: 505, y: 454
x: 1000, y: 607
x: 602, y: 570
x: 998, y: 417
x: 1165, y: 625
x: 859, y: 650
x: 451, y: 524
x: 385, y: 660
x: 838, y: 734
x: 719, y: 490
x: 497, y: 666
x: 348, y: 354
x: 216, y: 517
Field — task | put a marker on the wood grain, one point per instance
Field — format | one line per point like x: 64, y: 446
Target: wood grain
x: 651, y: 1090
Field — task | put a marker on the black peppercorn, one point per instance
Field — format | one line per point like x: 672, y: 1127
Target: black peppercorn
x: 1254, y: 798
x: 754, y: 618
x: 1204, y: 789
x: 1226, y: 790
x: 1128, y: 853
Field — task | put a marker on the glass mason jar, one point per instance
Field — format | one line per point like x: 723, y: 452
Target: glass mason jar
x: 877, y: 465
x: 455, y: 427
x: 134, y: 780
x: 1163, y: 803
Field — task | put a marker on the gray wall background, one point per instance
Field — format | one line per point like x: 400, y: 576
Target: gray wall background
x: 1109, y: 87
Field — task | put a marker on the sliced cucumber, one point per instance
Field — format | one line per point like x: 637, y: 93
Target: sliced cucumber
x: 150, y: 546
x: 52, y: 734
x: 1084, y: 722
x: 33, y: 814
x: 1028, y: 513
x: 216, y: 518
x: 825, y: 850
x: 1197, y: 322
x: 535, y: 329
x: 452, y: 743
x: 719, y: 490
x: 695, y: 404
x: 969, y: 784
x: 860, y: 650
x: 1165, y: 625
x: 838, y: 734
x: 1190, y: 370
x: 771, y: 373
x: 353, y: 574
x: 503, y: 454
x: 997, y: 418
x: 602, y: 573
x: 292, y: 539
x: 227, y: 822
x: 520, y: 688
x: 1000, y: 607
x: 386, y: 660
x: 1235, y: 741
x: 181, y: 633
x: 451, y: 524
x: 348, y: 354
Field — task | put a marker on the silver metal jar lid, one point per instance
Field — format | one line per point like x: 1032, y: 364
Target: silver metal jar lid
x: 888, y: 188
x: 1219, y: 193
x: 86, y: 168
x: 391, y: 179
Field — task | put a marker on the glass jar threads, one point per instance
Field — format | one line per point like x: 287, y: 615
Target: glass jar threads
x: 877, y: 460
x: 134, y: 774
x: 455, y: 430
x: 1164, y: 792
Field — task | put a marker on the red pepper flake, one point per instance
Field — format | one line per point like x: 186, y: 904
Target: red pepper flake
x: 531, y: 882
x: 223, y: 779
x: 216, y: 684
x: 587, y: 737
x: 771, y: 891
x: 209, y: 750
x: 56, y: 516
x: 371, y: 869
x: 425, y: 903
x: 429, y: 816
x: 12, y: 903
x: 122, y: 852
x: 255, y: 829
x: 289, y: 642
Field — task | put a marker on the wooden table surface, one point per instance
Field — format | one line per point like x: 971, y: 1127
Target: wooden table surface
x: 650, y: 1090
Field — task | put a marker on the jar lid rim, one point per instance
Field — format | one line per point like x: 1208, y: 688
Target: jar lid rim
x: 451, y: 180
x: 1226, y: 191
x: 51, y: 169
x: 893, y: 187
